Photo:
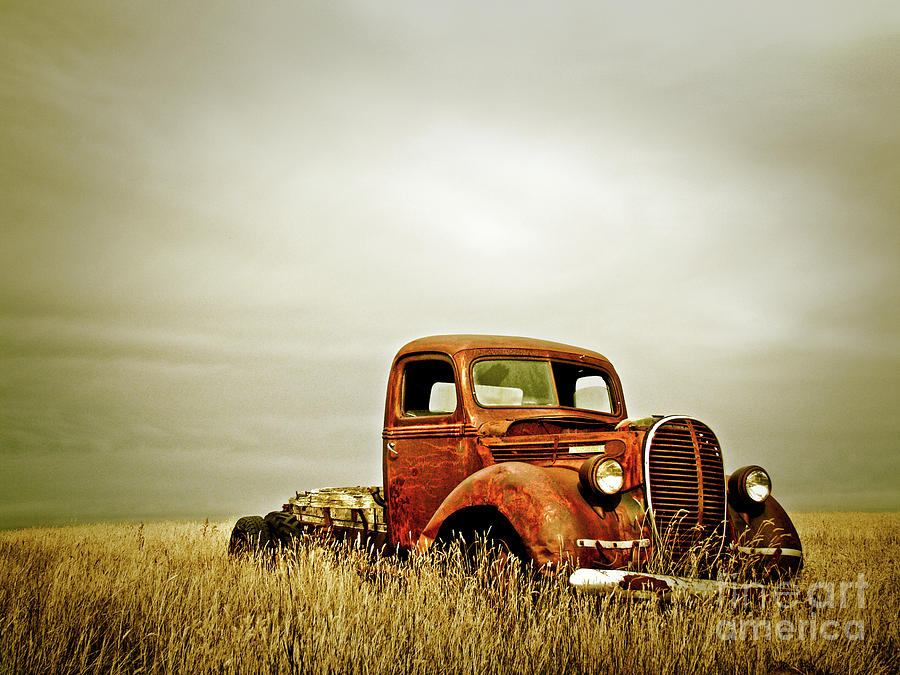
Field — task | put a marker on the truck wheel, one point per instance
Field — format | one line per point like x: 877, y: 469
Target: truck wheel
x: 481, y: 531
x: 484, y: 551
x: 284, y: 528
x: 494, y: 551
x: 250, y: 535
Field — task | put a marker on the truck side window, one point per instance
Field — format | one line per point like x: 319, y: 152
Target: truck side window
x: 581, y: 387
x: 428, y: 388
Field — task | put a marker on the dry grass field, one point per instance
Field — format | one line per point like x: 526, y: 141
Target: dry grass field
x: 165, y: 598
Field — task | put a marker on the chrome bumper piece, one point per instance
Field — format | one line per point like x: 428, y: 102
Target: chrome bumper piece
x: 794, y: 552
x: 649, y: 585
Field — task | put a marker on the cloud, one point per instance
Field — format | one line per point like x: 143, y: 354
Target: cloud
x: 218, y: 226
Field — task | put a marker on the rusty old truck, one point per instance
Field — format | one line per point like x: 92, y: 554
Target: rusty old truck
x: 527, y: 444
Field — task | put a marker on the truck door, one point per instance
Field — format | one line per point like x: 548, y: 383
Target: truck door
x: 424, y: 455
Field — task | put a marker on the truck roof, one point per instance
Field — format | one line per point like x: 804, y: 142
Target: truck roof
x: 451, y: 344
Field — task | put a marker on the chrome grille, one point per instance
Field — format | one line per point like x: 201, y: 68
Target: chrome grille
x: 685, y: 482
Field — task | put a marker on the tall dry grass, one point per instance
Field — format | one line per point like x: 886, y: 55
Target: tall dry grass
x: 165, y: 598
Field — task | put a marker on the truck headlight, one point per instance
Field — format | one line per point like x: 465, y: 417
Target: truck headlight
x: 757, y: 485
x: 602, y: 475
x: 750, y: 485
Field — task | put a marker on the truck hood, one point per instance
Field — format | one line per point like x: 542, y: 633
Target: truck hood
x: 542, y: 424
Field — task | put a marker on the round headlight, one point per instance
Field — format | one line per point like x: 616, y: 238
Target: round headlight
x: 602, y: 474
x: 749, y: 487
x: 608, y: 476
x: 757, y: 485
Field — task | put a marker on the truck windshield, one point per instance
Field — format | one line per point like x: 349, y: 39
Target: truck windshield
x: 510, y: 382
x: 522, y: 382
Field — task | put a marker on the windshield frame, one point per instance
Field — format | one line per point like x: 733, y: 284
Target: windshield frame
x: 615, y: 399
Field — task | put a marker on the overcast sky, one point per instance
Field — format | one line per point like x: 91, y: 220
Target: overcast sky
x: 219, y: 223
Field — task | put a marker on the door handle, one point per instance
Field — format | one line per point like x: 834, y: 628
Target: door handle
x: 392, y: 449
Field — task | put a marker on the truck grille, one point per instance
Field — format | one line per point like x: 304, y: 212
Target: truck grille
x: 685, y: 484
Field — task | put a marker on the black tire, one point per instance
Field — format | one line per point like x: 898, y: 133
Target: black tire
x: 481, y: 532
x: 479, y: 550
x: 250, y: 535
x: 284, y: 529
x: 492, y: 552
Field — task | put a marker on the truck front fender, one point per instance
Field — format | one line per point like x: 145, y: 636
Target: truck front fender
x: 542, y: 504
x: 766, y: 532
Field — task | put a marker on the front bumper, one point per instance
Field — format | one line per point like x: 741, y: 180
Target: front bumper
x: 642, y: 585
x: 777, y: 553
